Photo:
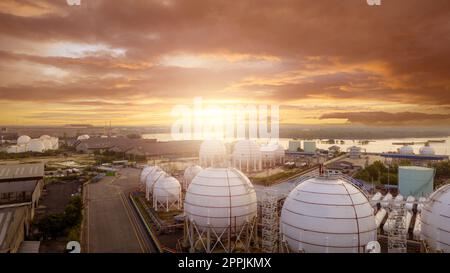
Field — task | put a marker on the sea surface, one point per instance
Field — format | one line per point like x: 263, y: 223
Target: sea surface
x: 373, y: 146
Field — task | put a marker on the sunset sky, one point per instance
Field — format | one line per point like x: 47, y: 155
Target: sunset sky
x: 130, y: 62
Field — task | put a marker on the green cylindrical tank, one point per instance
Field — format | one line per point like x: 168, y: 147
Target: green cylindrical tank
x: 415, y: 181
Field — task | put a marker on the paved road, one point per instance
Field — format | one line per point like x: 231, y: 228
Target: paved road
x: 112, y: 226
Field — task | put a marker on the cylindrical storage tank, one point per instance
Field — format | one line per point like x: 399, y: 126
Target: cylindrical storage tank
x: 22, y: 140
x: 406, y: 150
x: 166, y: 193
x: 36, y: 146
x: 190, y: 173
x: 212, y: 153
x: 415, y: 181
x: 421, y: 203
x: 410, y: 203
x: 418, y: 227
x: 376, y: 198
x: 247, y: 155
x: 386, y: 200
x: 13, y: 149
x: 379, y: 217
x: 436, y: 220
x: 220, y: 198
x: 327, y: 214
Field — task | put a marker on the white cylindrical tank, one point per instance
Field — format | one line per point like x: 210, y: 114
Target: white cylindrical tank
x: 36, y: 146
x: 247, y: 155
x: 327, y: 214
x: 418, y: 227
x: 376, y: 198
x: 379, y: 217
x: 406, y: 150
x: 436, y: 220
x: 410, y: 203
x: 386, y: 200
x: 220, y: 198
x: 13, y: 149
x: 23, y: 140
x: 189, y: 174
x: 421, y: 203
x: 212, y: 153
x: 166, y: 191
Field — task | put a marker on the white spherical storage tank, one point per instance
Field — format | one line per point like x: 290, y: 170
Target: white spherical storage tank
x: 247, y: 156
x: 166, y: 193
x: 220, y: 201
x: 406, y: 150
x: 150, y: 180
x: 23, y: 140
x: 189, y: 174
x: 36, y: 146
x: 427, y: 150
x: 83, y: 137
x: 327, y: 214
x: 436, y: 220
x: 145, y: 171
x: 212, y: 153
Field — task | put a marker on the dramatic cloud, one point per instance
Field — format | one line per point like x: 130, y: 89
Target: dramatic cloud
x: 120, y: 55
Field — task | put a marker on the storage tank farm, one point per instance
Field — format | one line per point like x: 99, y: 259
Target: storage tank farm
x: 218, y: 209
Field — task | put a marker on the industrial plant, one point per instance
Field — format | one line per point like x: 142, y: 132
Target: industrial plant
x: 213, y: 206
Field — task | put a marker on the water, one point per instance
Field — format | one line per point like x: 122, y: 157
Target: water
x: 375, y: 146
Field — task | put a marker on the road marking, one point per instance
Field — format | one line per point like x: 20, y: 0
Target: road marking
x: 132, y: 224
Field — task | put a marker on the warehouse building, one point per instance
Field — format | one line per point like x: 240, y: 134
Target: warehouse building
x: 20, y: 189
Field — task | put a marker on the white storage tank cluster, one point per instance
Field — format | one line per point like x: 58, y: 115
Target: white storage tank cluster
x: 247, y: 156
x: 38, y: 145
x: 213, y: 153
x: 435, y: 220
x: 219, y: 201
x: 163, y: 190
x: 327, y: 214
x: 153, y: 176
x: 189, y: 174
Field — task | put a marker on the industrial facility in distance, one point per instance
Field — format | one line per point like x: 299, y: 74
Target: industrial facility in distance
x: 211, y: 196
